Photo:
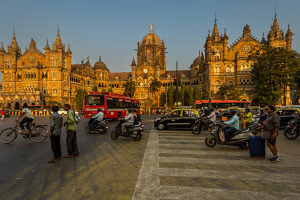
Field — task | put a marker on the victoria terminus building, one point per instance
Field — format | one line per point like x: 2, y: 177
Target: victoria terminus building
x: 33, y: 76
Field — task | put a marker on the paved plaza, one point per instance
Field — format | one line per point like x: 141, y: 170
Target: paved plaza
x: 167, y: 164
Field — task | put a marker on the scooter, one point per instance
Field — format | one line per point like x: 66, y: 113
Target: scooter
x: 134, y: 131
x: 238, y: 138
x: 101, y: 127
x: 199, y: 126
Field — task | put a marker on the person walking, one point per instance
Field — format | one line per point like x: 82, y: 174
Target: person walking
x: 71, y: 133
x: 56, y: 121
x: 270, y: 129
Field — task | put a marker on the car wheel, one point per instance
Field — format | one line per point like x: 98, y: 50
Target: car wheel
x: 161, y: 126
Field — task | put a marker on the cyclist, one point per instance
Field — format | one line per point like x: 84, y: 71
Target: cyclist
x: 27, y: 119
x: 97, y: 118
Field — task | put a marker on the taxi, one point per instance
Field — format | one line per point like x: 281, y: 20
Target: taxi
x: 178, y: 118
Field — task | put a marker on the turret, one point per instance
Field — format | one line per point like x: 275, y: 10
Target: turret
x: 215, y: 34
x: 58, y: 43
x: 133, y: 68
x: 47, y: 47
x: 2, y: 50
x: 263, y: 40
x: 69, y: 52
x: 246, y: 31
x: 32, y: 44
x: 225, y: 45
x: 289, y: 38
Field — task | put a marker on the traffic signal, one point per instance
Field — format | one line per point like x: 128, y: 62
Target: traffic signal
x: 175, y: 80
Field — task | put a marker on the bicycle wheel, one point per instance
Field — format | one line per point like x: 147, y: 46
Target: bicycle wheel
x: 38, y: 134
x: 8, y: 135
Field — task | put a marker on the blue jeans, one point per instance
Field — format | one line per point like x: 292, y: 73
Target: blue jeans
x: 228, y: 131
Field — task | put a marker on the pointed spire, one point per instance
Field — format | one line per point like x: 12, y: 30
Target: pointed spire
x: 32, y: 44
x: 246, y: 31
x: 14, y: 44
x: 47, y: 47
x: 69, y: 49
x: 100, y: 58
x: 57, y: 44
x: 275, y: 26
x: 216, y: 29
x: 289, y: 32
x: 151, y: 28
x: 133, y: 62
x: 225, y: 37
x: 2, y: 50
x: 263, y: 40
x: 199, y: 53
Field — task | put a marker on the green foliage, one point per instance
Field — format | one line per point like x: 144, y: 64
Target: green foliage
x: 79, y: 98
x: 170, y: 93
x: 103, y: 90
x: 273, y: 71
x: 155, y: 85
x: 129, y: 88
x: 188, y: 96
x: 162, y: 99
x: 94, y: 88
x: 110, y: 90
x: 229, y: 92
x: 197, y: 94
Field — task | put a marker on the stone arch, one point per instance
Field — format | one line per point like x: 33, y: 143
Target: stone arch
x: 8, y: 105
x: 255, y: 101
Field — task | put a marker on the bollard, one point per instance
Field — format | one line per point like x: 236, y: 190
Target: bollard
x: 48, y: 113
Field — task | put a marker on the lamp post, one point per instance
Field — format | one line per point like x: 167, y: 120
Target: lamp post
x: 177, y: 84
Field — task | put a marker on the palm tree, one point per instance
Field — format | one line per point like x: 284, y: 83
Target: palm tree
x: 129, y: 88
x: 155, y: 85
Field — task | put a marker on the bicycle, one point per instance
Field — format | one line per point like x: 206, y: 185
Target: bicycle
x: 36, y: 133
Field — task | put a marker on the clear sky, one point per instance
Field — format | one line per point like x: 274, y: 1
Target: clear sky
x: 112, y: 28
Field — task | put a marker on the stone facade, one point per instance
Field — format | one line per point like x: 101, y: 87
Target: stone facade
x: 224, y: 64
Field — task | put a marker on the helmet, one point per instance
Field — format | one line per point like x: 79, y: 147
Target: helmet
x: 99, y: 109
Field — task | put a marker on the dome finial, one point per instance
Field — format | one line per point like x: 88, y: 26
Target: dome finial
x: 151, y: 28
x: 99, y: 58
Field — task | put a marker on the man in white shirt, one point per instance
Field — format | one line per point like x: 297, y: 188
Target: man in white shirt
x: 211, y: 118
x: 97, y: 118
x: 130, y: 120
x: 27, y: 119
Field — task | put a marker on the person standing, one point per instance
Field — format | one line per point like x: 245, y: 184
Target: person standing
x: 247, y: 119
x: 56, y: 121
x: 271, y: 127
x: 71, y: 133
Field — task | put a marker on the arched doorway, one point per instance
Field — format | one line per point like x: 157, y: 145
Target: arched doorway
x: 8, y: 106
x: 17, y: 106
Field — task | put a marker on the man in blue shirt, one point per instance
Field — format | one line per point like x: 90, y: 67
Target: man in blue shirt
x: 97, y: 118
x: 233, y: 123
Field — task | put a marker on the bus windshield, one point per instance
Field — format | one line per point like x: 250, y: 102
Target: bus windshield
x: 94, y: 100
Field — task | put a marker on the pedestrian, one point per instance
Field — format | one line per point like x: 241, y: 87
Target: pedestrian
x: 2, y: 114
x: 71, y: 133
x: 270, y: 129
x: 56, y: 121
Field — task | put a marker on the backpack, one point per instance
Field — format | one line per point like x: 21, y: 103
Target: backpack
x: 77, y: 118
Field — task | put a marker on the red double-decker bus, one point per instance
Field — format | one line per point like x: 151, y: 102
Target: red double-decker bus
x: 113, y: 105
x: 221, y: 104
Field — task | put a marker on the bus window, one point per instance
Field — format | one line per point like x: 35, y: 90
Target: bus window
x: 94, y: 100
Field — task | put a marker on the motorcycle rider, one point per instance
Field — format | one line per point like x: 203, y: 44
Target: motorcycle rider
x: 233, y: 123
x: 211, y: 118
x: 97, y: 119
x: 130, y: 121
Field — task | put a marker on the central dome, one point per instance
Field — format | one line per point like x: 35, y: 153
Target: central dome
x: 151, y: 38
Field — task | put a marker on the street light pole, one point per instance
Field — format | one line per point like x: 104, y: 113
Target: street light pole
x: 177, y: 83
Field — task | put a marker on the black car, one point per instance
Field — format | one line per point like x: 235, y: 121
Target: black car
x: 286, y: 115
x: 178, y: 118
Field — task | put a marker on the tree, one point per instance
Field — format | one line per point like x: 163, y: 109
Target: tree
x: 297, y: 87
x: 103, y: 90
x: 162, y: 99
x: 110, y: 90
x: 197, y: 94
x: 79, y: 98
x: 170, y: 93
x: 154, y: 87
x: 273, y: 72
x: 229, y: 92
x: 54, y: 103
x: 129, y: 88
x: 95, y: 88
x: 188, y: 96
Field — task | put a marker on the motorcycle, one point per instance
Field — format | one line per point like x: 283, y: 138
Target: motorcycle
x: 134, y: 131
x: 199, y: 126
x: 292, y: 130
x: 217, y: 136
x: 101, y: 127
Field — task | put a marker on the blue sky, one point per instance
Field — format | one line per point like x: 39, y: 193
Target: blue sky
x: 112, y: 28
